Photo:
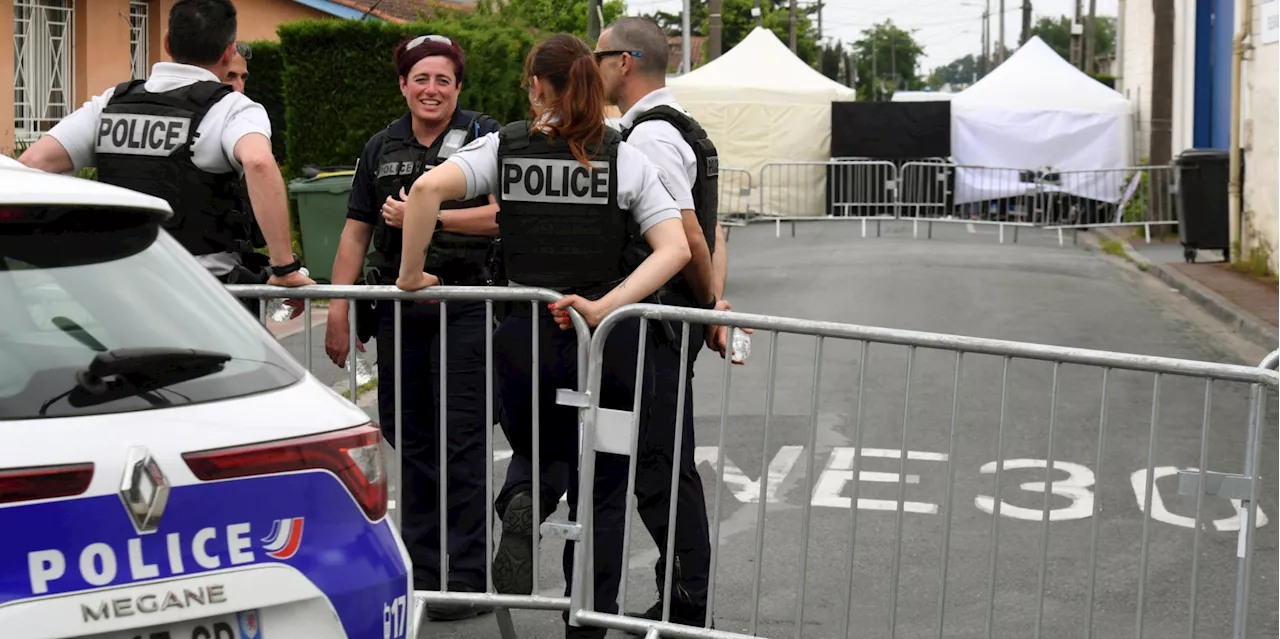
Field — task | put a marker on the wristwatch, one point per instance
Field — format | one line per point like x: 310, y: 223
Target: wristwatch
x: 711, y: 306
x: 281, y: 271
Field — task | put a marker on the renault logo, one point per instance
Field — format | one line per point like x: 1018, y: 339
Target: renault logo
x: 144, y: 490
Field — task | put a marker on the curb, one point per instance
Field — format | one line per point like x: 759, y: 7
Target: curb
x: 1239, y: 320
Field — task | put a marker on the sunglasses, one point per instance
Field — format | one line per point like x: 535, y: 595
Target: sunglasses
x: 601, y: 55
x: 428, y: 38
x: 244, y: 50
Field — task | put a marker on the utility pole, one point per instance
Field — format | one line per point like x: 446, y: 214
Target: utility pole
x: 1026, y: 22
x: 793, y: 25
x: 1075, y: 37
x: 984, y: 57
x: 593, y: 21
x: 875, y: 77
x: 686, y: 41
x: 1000, y: 43
x: 819, y: 20
x: 758, y: 14
x: 713, y: 28
x: 1090, y: 37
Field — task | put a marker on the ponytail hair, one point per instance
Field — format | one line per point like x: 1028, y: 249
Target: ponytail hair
x: 570, y: 67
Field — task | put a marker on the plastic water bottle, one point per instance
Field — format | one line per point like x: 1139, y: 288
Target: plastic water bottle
x: 741, y: 346
x: 362, y: 369
x: 277, y: 310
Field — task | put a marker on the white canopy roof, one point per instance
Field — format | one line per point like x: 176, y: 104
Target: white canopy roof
x: 1037, y: 78
x: 759, y: 69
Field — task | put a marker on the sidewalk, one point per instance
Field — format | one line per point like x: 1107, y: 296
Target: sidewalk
x: 1248, y: 304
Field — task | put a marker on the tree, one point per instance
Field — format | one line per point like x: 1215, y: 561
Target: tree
x: 1056, y: 32
x: 958, y: 71
x: 736, y: 22
x: 829, y: 60
x: 551, y: 16
x: 891, y: 53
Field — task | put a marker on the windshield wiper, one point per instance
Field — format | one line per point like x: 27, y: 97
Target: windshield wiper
x: 126, y: 372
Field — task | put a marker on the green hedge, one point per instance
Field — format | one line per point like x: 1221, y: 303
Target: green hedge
x: 342, y: 85
x: 266, y: 87
x: 1108, y: 80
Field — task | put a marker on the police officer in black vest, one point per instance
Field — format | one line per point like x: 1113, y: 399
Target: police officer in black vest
x: 569, y: 191
x: 185, y: 137
x: 432, y: 70
x: 632, y: 59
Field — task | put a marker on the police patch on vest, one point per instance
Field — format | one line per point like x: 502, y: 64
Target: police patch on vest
x: 138, y: 134
x: 559, y: 181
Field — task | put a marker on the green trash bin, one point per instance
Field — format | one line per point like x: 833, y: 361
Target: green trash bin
x: 322, y: 213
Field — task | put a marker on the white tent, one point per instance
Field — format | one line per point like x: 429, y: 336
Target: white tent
x: 1037, y: 112
x: 760, y: 103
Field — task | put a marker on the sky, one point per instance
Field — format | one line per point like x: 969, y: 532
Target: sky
x: 947, y: 29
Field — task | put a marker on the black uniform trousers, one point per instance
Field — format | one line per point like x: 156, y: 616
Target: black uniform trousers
x: 656, y: 451
x: 558, y: 437
x: 464, y: 437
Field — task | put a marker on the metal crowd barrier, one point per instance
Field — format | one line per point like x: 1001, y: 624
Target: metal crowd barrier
x: 1050, y: 398
x: 936, y: 191
x: 444, y: 295
x: 736, y: 188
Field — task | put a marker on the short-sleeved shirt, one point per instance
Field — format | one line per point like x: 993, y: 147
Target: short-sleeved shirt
x: 229, y: 119
x: 639, y: 189
x: 363, y: 204
x: 662, y: 143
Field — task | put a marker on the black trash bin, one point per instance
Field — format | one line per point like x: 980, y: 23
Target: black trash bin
x: 1202, y: 202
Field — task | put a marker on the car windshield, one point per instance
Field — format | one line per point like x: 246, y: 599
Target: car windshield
x: 75, y: 282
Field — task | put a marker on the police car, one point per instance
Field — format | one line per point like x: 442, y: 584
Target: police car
x: 167, y: 471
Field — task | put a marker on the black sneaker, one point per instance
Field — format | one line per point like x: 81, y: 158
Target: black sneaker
x: 513, y: 561
x: 458, y: 611
x: 685, y: 614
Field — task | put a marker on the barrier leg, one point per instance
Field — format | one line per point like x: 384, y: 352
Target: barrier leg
x: 505, y: 627
x: 777, y: 228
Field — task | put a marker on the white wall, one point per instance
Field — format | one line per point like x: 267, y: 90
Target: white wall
x: 1139, y: 35
x: 1261, y: 140
x: 1139, y: 23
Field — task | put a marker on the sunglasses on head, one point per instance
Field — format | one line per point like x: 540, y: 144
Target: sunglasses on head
x: 425, y: 38
x: 601, y: 55
x: 244, y: 50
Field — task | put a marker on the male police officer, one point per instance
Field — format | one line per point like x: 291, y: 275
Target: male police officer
x: 633, y: 61
x: 184, y: 136
x: 238, y: 72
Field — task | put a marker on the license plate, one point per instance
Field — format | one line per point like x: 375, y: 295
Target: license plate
x: 241, y: 625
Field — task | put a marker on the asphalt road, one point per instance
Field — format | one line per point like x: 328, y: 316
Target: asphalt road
x: 963, y: 281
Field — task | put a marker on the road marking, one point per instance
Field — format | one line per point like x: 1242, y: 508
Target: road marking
x: 1160, y: 513
x: 839, y: 471
x: 968, y: 226
x: 1075, y: 488
x: 746, y: 490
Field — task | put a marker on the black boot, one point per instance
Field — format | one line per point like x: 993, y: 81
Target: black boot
x: 513, y: 561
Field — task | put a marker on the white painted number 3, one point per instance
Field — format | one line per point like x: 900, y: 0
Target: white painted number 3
x: 1075, y: 488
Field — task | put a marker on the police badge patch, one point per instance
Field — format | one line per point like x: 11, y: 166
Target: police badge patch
x: 474, y: 144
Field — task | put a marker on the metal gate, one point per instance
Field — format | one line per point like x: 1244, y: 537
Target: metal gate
x: 989, y: 563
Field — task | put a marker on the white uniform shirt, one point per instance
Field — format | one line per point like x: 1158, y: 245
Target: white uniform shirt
x: 228, y: 120
x: 639, y: 189
x: 662, y: 143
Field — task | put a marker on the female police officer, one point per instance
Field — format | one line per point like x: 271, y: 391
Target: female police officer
x: 431, y: 70
x: 569, y: 193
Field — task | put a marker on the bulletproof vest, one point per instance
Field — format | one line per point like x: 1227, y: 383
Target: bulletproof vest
x: 456, y: 258
x: 706, y: 186
x: 560, y: 222
x: 706, y: 189
x: 144, y: 142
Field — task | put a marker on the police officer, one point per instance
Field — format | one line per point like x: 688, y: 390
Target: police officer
x: 632, y: 56
x: 238, y: 72
x: 185, y: 137
x: 568, y: 190
x: 432, y: 70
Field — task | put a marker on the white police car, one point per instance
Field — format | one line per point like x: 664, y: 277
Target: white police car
x: 167, y: 471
